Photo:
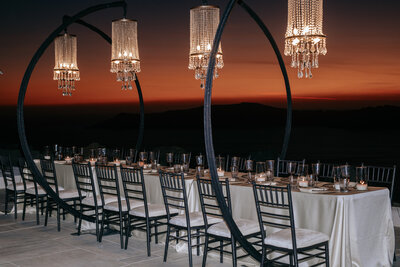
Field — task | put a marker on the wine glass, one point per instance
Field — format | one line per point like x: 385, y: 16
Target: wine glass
x: 235, y: 161
x: 185, y: 158
x: 170, y: 158
x: 142, y: 158
x: 199, y: 160
x: 234, y: 171
x: 116, y: 155
x: 220, y: 162
x: 336, y: 172
x: 249, y: 169
x: 316, y: 167
x: 345, y: 171
x: 270, y: 169
x: 291, y: 169
x: 260, y: 170
x: 361, y: 173
x: 152, y: 156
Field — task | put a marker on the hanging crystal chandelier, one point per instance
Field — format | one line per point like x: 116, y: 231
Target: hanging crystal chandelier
x: 304, y: 40
x: 66, y: 68
x: 204, y: 22
x: 125, y: 60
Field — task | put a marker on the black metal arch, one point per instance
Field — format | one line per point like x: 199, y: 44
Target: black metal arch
x: 24, y: 84
x: 208, y: 125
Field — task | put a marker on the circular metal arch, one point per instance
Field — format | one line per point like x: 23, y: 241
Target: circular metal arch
x: 24, y: 84
x: 208, y: 125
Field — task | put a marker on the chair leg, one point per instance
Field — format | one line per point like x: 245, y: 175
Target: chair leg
x: 121, y: 227
x: 127, y: 230
x: 148, y: 235
x: 189, y: 237
x: 327, y: 255
x: 74, y: 209
x: 42, y: 205
x: 102, y: 226
x: 234, y: 257
x: 58, y: 218
x: 155, y: 233
x: 221, y: 251
x: 15, y: 204
x: 6, y: 203
x: 96, y: 211
x: 205, y: 251
x: 198, y: 242
x: 37, y: 209
x: 80, y: 220
x: 177, y: 235
x: 47, y: 212
x: 262, y: 256
x: 166, y: 244
x: 23, y: 210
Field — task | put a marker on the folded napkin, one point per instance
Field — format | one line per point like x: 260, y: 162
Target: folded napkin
x: 268, y: 183
x: 312, y: 190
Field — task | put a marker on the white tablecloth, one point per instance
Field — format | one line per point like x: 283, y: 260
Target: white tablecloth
x: 360, y: 226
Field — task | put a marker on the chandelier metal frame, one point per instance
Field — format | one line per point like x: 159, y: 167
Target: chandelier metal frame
x: 207, y: 107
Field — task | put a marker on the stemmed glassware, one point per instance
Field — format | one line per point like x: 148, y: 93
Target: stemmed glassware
x: 200, y: 160
x: 336, y: 173
x: 260, y: 170
x: 142, y: 158
x: 170, y: 158
x: 116, y: 155
x: 270, y: 169
x: 345, y: 171
x: 46, y: 152
x: 249, y: 169
x: 316, y: 168
x: 185, y: 162
x: 152, y: 156
x: 235, y: 161
x: 291, y: 169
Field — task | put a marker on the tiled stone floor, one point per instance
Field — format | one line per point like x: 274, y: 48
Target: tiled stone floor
x: 23, y: 243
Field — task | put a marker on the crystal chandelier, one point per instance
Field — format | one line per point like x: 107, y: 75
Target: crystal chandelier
x: 125, y: 60
x: 304, y: 40
x: 204, y: 22
x: 66, y: 68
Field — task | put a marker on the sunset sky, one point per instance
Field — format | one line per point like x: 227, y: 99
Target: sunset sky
x: 362, y: 67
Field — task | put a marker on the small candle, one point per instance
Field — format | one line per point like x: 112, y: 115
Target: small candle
x: 303, y: 183
x: 220, y: 172
x: 362, y: 186
x: 337, y: 186
x: 92, y: 161
x: 141, y: 163
x: 117, y: 162
x: 68, y: 160
x: 46, y: 157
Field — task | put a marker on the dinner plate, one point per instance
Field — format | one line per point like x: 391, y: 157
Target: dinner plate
x: 313, y: 190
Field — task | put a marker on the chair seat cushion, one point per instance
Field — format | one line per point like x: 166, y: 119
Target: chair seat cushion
x: 114, y: 205
x: 41, y: 191
x: 196, y: 219
x: 304, y: 238
x: 72, y: 193
x: 20, y: 186
x: 247, y: 227
x: 107, y: 199
x: 155, y: 210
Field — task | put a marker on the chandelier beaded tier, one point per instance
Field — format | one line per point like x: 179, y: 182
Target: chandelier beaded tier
x: 125, y: 60
x: 204, y: 22
x: 304, y: 39
x: 66, y: 70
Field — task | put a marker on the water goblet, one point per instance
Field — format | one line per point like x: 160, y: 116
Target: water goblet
x: 235, y: 161
x: 291, y: 169
x: 177, y: 168
x: 152, y: 156
x: 234, y: 171
x: 316, y: 167
x: 143, y: 156
x: 200, y: 171
x: 249, y: 169
x: 345, y: 172
x: 260, y: 171
x: 336, y: 173
x: 170, y: 158
x: 185, y: 158
x: 199, y: 160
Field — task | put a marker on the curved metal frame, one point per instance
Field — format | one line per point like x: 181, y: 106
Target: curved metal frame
x: 24, y: 84
x: 208, y: 125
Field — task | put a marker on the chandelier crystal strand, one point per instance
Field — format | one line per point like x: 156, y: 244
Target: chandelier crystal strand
x: 204, y: 22
x: 66, y: 70
x: 125, y: 60
x: 304, y: 39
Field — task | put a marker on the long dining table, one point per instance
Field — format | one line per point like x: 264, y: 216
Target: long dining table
x: 359, y: 223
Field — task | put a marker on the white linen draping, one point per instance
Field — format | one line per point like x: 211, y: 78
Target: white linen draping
x: 360, y: 225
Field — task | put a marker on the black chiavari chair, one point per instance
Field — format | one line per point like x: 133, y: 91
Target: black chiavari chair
x: 175, y: 198
x: 142, y: 215
x: 385, y: 176
x: 281, y: 166
x: 290, y: 245
x: 219, y: 233
x: 32, y: 195
x: 50, y: 175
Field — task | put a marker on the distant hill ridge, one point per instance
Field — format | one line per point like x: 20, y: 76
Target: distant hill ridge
x: 253, y: 115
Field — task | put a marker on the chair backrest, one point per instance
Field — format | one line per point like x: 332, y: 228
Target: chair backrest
x: 49, y: 173
x: 108, y: 182
x: 281, y: 166
x: 208, y: 198
x: 174, y: 193
x: 84, y: 180
x: 26, y: 173
x: 382, y: 176
x: 326, y: 171
x: 274, y: 208
x: 134, y: 186
x: 7, y: 171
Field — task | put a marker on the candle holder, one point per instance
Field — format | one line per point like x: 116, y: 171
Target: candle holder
x: 362, y: 184
x: 302, y: 181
